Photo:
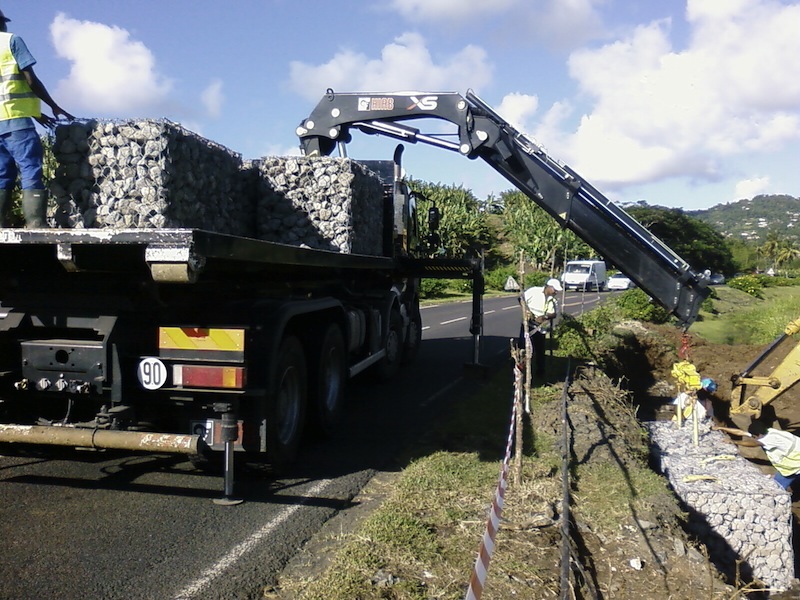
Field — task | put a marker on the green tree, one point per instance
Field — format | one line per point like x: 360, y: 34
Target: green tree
x: 771, y: 247
x: 696, y: 242
x: 788, y: 252
x: 462, y: 228
x: 532, y: 231
x: 744, y: 254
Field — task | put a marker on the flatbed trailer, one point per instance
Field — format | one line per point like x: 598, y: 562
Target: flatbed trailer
x: 190, y: 341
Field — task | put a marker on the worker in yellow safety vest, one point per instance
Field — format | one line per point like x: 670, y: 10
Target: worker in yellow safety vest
x: 781, y: 447
x: 21, y: 152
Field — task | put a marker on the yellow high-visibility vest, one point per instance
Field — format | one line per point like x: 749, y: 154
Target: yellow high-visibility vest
x: 783, y: 450
x: 16, y: 96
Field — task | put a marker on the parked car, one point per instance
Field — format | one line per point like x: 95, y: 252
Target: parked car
x: 717, y: 279
x: 619, y: 281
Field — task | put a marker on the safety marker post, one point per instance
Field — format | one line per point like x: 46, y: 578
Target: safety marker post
x: 481, y: 568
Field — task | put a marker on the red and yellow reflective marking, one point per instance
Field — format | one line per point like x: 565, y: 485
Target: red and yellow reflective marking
x: 201, y: 342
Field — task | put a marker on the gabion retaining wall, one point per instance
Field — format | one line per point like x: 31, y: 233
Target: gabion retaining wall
x: 739, y: 514
x: 156, y: 174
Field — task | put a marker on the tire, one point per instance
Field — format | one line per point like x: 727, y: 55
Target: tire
x: 286, y: 403
x: 413, y: 338
x: 390, y: 363
x: 329, y: 377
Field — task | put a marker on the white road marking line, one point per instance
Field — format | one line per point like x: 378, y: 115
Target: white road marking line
x: 488, y: 312
x: 426, y: 327
x: 511, y: 307
x: 238, y: 551
x: 442, y: 391
x: 453, y: 383
x: 453, y: 321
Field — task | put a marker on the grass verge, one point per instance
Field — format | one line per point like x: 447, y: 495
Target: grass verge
x: 740, y: 318
x: 421, y: 542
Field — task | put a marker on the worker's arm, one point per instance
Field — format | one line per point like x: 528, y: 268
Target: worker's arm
x: 38, y: 88
x: 734, y: 431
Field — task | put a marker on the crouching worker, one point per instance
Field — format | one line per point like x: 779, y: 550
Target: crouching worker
x: 699, y: 401
x: 781, y: 447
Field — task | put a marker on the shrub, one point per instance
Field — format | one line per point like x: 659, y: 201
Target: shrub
x: 584, y: 337
x: 497, y: 277
x: 536, y: 278
x: 573, y: 338
x: 750, y: 284
x: 777, y: 281
x: 438, y: 288
x: 600, y: 320
x: 707, y: 305
x: 635, y: 304
x: 432, y: 288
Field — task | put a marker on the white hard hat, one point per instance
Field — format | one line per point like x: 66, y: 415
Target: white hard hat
x: 555, y: 284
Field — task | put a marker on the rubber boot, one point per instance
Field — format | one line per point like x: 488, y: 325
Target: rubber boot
x: 34, y: 207
x: 5, y: 198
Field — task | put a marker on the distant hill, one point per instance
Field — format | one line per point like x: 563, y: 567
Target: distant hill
x: 750, y: 220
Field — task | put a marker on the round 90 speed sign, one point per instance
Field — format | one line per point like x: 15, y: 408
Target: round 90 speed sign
x: 152, y: 373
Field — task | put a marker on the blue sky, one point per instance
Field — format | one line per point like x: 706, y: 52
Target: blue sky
x: 678, y: 103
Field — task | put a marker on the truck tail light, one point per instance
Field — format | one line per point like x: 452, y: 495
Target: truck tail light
x: 204, y: 376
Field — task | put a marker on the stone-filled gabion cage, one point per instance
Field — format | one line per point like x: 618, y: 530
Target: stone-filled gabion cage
x: 319, y: 202
x: 742, y: 516
x: 149, y: 174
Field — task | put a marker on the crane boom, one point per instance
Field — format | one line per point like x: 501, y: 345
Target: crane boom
x: 566, y: 196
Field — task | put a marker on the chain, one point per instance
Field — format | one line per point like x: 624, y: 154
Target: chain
x: 683, y: 351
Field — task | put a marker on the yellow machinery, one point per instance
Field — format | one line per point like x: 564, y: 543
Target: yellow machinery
x: 767, y: 389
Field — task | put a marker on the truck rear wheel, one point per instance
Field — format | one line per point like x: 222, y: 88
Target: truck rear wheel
x: 413, y: 338
x: 286, y: 405
x: 390, y: 364
x: 329, y: 373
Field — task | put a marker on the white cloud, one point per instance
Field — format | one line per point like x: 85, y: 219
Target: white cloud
x: 749, y: 188
x: 658, y: 111
x: 110, y: 73
x: 517, y: 109
x: 405, y: 64
x: 277, y: 150
x: 449, y: 10
x: 553, y: 23
x: 213, y: 98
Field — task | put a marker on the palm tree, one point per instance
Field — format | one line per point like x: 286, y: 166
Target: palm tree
x: 769, y: 249
x: 787, y: 251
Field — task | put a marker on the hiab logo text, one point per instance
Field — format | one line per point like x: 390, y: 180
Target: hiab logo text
x: 424, y: 103
x: 380, y: 103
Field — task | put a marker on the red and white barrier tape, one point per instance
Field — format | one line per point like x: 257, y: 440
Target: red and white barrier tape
x: 481, y: 568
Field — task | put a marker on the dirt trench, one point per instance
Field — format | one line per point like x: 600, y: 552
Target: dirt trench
x: 642, y: 362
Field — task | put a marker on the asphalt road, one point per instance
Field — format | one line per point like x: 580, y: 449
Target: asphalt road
x: 88, y: 524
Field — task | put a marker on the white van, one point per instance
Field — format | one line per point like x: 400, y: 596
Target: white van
x: 584, y: 275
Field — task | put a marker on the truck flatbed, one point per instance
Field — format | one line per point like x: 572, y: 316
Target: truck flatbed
x: 181, y: 255
x: 195, y: 249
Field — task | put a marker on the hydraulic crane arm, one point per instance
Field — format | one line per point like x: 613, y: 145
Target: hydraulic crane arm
x: 482, y: 133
